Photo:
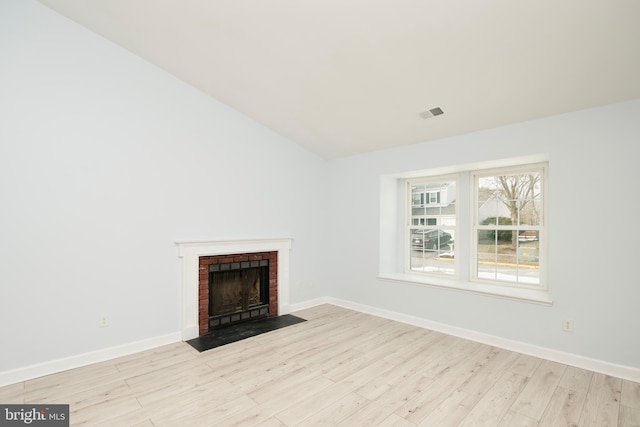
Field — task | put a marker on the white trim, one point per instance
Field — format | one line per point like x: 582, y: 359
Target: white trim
x: 191, y: 251
x: 77, y: 361
x: 457, y: 168
x: 409, y: 227
x: 310, y: 303
x: 607, y: 368
x: 499, y: 291
x: 474, y: 177
x: 59, y: 365
x: 395, y: 220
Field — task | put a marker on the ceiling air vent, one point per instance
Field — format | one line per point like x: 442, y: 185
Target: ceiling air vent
x: 431, y: 113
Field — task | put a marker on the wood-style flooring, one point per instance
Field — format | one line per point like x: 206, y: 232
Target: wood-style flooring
x: 340, y: 368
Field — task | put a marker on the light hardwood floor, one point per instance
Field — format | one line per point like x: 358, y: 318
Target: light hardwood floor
x: 339, y: 368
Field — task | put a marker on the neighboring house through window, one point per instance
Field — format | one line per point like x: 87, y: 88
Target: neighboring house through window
x: 432, y: 226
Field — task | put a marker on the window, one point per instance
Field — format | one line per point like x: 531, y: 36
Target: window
x: 431, y: 230
x: 508, y: 224
x: 477, y: 228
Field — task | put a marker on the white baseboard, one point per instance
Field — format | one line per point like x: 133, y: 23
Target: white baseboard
x: 607, y: 368
x: 46, y: 368
x: 309, y: 304
x: 283, y: 309
x: 190, y: 333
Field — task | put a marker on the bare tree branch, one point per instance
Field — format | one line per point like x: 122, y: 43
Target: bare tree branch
x: 517, y: 192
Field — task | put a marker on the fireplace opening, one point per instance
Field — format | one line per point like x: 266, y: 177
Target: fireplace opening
x: 227, y: 294
x: 238, y: 292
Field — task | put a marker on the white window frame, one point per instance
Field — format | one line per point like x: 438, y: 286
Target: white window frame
x: 540, y: 168
x: 394, y: 223
x: 410, y: 226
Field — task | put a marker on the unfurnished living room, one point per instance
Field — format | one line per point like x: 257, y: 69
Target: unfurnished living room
x: 342, y: 213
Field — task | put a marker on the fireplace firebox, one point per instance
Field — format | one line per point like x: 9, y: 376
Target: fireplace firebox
x: 238, y: 291
x: 234, y: 288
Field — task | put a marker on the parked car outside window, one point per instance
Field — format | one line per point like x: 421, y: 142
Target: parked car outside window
x: 429, y: 239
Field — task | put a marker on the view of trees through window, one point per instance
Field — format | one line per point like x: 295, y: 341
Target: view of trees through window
x: 509, y: 219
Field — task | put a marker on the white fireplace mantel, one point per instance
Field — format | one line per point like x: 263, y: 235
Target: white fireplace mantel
x: 190, y: 252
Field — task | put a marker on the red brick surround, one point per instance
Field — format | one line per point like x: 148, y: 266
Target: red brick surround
x: 203, y: 286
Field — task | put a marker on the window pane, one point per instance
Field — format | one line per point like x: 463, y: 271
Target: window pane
x: 487, y: 255
x: 500, y: 259
x: 531, y: 213
x: 529, y: 261
x: 433, y: 222
x: 489, y: 204
x: 432, y: 251
x: 509, y: 219
x: 510, y: 199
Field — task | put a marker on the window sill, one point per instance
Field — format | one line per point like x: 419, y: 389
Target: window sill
x: 525, y: 295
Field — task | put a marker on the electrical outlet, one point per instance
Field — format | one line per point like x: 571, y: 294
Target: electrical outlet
x: 567, y: 325
x: 104, y: 321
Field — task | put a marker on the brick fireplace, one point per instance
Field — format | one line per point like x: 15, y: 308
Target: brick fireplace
x: 235, y: 261
x: 190, y: 254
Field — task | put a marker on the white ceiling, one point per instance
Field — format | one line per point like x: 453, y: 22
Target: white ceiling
x: 342, y: 77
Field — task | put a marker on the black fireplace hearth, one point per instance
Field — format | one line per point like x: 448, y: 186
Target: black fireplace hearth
x: 240, y: 331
